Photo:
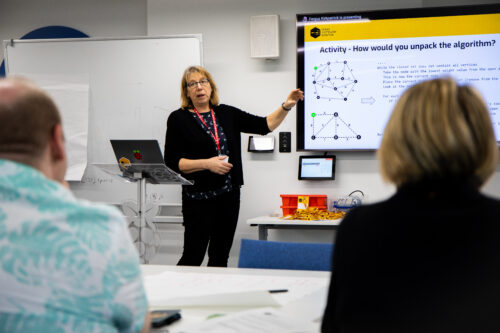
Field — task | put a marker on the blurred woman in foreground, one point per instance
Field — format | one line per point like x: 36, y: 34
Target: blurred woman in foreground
x: 428, y: 258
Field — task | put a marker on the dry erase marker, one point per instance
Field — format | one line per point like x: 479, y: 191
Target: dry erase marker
x: 276, y: 291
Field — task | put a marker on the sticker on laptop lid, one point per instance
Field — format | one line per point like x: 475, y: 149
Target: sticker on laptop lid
x: 137, y: 154
x: 125, y: 162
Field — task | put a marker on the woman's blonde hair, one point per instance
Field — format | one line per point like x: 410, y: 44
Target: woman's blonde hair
x: 438, y: 130
x: 185, y: 100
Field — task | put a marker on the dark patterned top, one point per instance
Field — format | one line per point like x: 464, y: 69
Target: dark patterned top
x: 224, y: 150
x: 186, y: 138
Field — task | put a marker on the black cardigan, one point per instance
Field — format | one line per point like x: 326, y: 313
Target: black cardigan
x: 425, y: 260
x: 186, y: 139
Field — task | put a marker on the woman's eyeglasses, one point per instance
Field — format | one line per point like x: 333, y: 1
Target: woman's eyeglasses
x: 202, y: 82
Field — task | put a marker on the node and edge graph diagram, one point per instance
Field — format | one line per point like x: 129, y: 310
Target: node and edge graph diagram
x: 331, y: 126
x: 333, y: 81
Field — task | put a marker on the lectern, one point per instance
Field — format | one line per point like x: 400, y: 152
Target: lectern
x: 145, y: 167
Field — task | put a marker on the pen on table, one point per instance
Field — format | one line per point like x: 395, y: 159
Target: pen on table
x: 276, y: 291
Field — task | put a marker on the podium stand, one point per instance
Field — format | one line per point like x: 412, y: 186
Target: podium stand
x: 142, y: 229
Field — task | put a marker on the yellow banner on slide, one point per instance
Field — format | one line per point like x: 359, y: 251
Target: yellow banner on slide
x: 402, y: 28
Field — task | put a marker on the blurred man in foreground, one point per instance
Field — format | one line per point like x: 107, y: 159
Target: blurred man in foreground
x: 66, y: 265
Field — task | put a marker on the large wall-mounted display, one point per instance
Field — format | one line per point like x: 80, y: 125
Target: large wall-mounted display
x: 354, y: 66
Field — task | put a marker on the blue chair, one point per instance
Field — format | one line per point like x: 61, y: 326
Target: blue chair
x: 285, y: 255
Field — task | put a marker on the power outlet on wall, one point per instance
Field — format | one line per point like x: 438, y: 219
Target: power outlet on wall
x: 285, y: 142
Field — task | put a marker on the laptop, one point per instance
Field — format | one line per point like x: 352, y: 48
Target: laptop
x: 145, y: 157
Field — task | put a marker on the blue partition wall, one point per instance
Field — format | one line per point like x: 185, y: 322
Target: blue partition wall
x: 285, y: 255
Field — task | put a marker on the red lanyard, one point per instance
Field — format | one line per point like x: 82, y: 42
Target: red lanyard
x: 216, y: 136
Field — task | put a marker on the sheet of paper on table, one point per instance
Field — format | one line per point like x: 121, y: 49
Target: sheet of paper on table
x: 263, y: 320
x: 194, y: 289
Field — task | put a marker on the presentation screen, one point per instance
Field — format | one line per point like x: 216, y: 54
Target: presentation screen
x: 354, y: 66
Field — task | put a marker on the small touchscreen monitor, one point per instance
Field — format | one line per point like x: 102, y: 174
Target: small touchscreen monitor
x: 261, y: 144
x: 317, y: 167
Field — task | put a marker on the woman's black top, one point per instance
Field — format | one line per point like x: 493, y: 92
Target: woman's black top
x: 185, y: 138
x: 425, y: 260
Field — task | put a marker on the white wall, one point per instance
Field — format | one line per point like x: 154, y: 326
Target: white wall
x: 257, y: 86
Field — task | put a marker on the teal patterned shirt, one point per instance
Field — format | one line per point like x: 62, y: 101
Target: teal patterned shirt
x: 66, y: 265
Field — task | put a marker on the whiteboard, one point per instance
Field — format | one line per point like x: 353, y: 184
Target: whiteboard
x: 134, y: 83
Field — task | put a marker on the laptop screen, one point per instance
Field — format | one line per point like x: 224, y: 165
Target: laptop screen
x: 131, y: 152
x: 145, y: 157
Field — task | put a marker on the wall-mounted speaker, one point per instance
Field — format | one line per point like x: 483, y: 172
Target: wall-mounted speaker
x: 265, y: 36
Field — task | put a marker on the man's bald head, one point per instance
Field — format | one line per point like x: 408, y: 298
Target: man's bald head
x: 28, y: 117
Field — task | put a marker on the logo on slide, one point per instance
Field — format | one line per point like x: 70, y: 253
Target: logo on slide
x: 315, y: 32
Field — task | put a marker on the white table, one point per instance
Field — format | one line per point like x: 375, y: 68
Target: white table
x: 308, y: 308
x: 264, y: 223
